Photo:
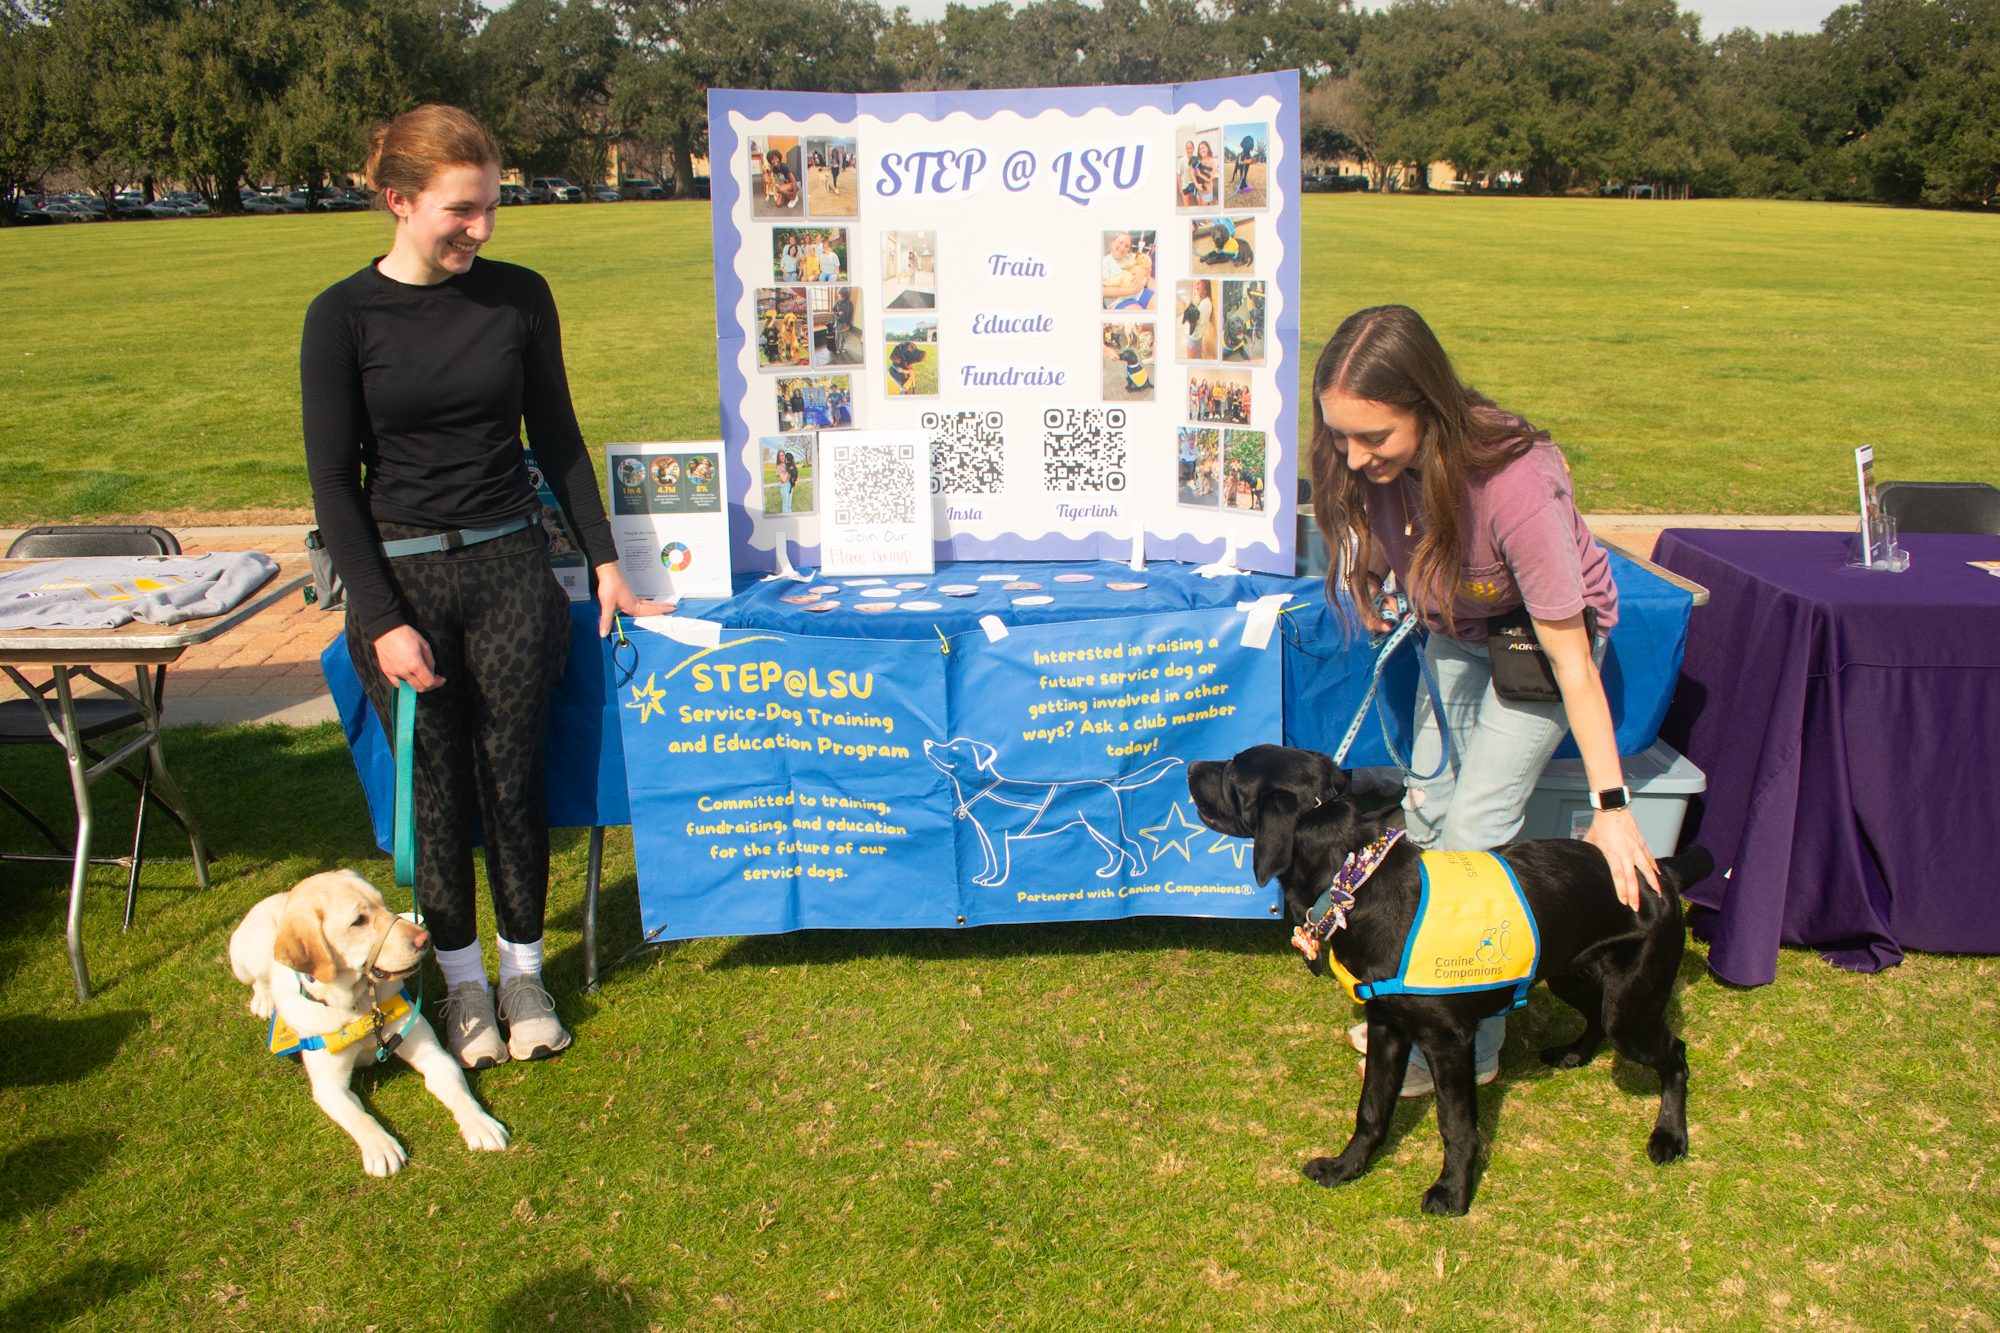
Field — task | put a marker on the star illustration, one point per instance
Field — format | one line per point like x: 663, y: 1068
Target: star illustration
x: 1180, y: 841
x: 1234, y: 846
x: 648, y: 701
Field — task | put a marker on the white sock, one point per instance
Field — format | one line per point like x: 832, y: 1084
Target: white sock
x: 519, y: 960
x: 462, y: 965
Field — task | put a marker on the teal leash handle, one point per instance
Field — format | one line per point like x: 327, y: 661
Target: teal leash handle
x: 406, y: 776
x: 406, y: 842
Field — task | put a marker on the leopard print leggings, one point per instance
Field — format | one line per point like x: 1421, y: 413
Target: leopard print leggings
x: 498, y: 629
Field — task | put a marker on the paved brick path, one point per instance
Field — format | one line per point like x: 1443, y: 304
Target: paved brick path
x: 268, y: 668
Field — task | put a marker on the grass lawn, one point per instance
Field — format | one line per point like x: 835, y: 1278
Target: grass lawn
x: 1694, y: 357
x: 1061, y: 1127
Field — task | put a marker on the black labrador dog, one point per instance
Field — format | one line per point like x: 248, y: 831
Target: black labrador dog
x: 1614, y: 965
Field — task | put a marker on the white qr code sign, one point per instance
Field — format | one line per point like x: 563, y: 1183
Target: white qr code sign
x: 877, y: 505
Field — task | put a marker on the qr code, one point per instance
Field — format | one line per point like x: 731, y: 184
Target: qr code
x: 968, y: 452
x: 1083, y: 449
x: 874, y: 483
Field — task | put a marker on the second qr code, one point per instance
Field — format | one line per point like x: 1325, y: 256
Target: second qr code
x: 1083, y: 449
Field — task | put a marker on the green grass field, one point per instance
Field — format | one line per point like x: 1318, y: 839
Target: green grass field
x: 1028, y: 1128
x: 1693, y: 357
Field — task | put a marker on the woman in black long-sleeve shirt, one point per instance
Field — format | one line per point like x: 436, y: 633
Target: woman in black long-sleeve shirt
x: 417, y: 374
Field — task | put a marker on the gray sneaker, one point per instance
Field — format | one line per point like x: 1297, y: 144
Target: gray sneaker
x: 533, y: 1030
x: 471, y: 1033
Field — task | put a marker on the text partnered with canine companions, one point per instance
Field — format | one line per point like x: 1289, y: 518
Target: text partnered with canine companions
x: 1614, y: 965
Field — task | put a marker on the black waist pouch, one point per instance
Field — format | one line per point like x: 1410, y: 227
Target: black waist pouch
x: 1522, y: 672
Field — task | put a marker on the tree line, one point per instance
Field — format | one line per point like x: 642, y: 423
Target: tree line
x: 1893, y: 100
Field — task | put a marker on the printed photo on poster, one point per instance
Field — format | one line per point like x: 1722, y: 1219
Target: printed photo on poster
x: 814, y: 402
x: 1243, y: 322
x: 809, y: 254
x: 776, y: 181
x: 1200, y: 461
x: 1198, y: 170
x: 877, y: 515
x: 782, y: 328
x: 1219, y: 395
x: 1128, y: 363
x: 1228, y: 244
x: 1195, y: 337
x: 836, y: 332
x: 909, y: 270
x: 910, y: 349
x: 1243, y: 470
x: 1246, y: 149
x: 832, y: 188
x: 566, y: 558
x: 667, y: 519
x: 788, y: 472
x: 1127, y: 265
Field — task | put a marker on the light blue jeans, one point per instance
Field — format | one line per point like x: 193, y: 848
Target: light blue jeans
x: 1498, y: 752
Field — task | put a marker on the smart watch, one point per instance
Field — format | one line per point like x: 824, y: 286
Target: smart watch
x: 1611, y: 798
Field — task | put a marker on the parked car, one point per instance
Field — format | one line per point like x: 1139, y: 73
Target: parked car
x: 605, y: 194
x: 512, y: 195
x: 638, y: 187
x: 190, y: 204
x: 698, y: 186
x: 256, y: 201
x: 554, y: 190
x: 342, y: 201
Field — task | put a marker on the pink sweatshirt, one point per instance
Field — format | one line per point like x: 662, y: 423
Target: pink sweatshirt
x: 1524, y: 542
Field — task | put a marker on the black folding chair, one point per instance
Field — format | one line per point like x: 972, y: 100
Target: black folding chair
x: 1942, y: 506
x: 24, y: 722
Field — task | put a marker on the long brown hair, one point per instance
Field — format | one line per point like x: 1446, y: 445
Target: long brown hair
x: 407, y: 153
x: 1387, y: 354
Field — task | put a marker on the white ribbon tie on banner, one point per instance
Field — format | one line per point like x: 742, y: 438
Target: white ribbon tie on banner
x: 1263, y: 618
x: 690, y: 630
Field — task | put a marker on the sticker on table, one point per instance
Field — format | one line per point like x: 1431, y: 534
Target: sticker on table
x: 1124, y: 587
x: 804, y: 599
x: 824, y: 606
x: 995, y: 578
x: 864, y: 583
x: 911, y: 587
x: 874, y: 608
x: 921, y: 606
x: 1074, y: 578
x: 1033, y: 601
x: 823, y: 589
x: 960, y: 589
x: 1020, y: 587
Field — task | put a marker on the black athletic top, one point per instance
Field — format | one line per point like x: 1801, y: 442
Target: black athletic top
x: 426, y: 388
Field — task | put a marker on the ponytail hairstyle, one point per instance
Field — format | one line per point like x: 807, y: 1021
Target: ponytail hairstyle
x: 407, y: 154
x: 1387, y: 354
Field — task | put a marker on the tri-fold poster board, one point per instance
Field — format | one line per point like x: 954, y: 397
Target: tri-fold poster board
x: 1080, y: 304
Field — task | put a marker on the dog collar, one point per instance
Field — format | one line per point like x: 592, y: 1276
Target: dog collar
x: 1329, y: 913
x: 285, y: 1040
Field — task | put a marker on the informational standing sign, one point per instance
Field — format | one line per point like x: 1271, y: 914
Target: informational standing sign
x: 878, y: 503
x: 1085, y: 299
x: 667, y: 519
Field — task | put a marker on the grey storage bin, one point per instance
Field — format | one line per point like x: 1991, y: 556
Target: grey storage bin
x: 1660, y: 779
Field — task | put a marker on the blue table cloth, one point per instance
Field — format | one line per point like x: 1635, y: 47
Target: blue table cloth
x: 1325, y: 673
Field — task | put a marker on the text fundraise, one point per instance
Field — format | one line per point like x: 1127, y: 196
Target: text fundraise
x: 1079, y: 173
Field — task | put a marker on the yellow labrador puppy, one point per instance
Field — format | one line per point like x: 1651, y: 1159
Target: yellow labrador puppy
x: 329, y: 959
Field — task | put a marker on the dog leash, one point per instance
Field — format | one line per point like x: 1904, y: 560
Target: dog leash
x: 405, y: 843
x: 1393, y: 606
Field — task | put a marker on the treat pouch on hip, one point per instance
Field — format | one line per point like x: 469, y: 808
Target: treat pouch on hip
x: 1522, y: 672
x: 328, y: 593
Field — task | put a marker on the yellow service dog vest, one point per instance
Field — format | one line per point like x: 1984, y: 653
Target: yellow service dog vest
x: 1473, y: 932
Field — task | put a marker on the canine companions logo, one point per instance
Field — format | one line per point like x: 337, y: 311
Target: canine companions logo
x: 1493, y: 944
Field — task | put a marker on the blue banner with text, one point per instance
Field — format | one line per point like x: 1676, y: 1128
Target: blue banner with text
x: 782, y: 782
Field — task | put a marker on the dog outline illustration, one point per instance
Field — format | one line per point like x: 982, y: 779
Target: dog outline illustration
x: 1053, y: 807
x: 1493, y: 943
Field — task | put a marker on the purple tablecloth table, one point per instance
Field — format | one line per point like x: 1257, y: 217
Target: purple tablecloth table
x: 1849, y: 724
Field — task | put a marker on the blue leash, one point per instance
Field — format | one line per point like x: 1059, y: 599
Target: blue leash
x: 406, y: 834
x: 1393, y: 605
